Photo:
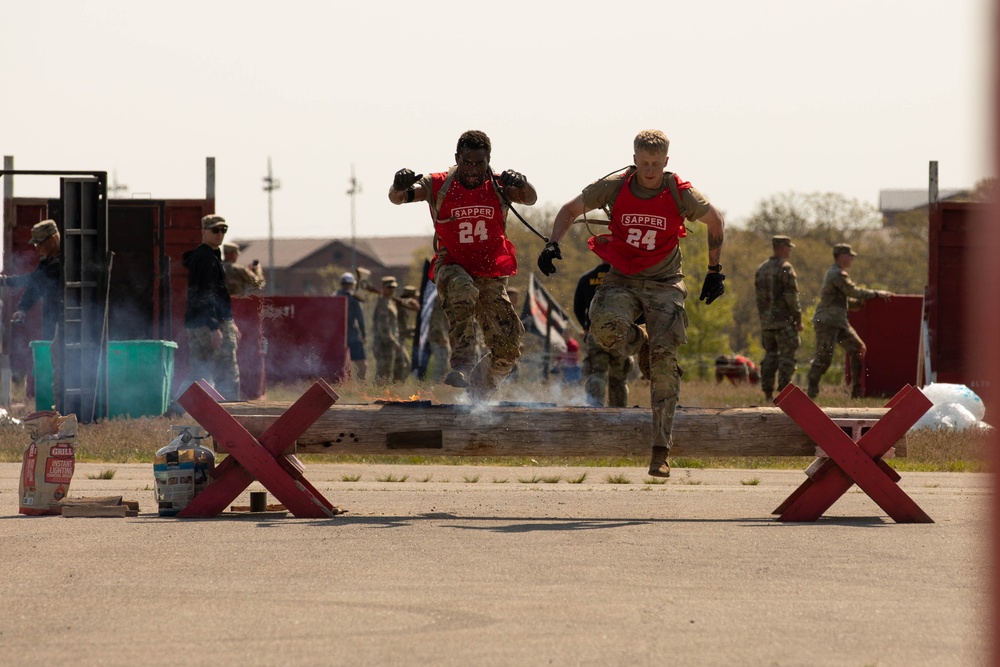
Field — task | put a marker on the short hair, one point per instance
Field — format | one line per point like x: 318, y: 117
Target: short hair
x: 474, y: 139
x: 651, y: 141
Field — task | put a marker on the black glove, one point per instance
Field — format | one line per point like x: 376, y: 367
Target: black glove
x: 549, y: 252
x: 512, y: 179
x: 713, y: 287
x: 404, y: 179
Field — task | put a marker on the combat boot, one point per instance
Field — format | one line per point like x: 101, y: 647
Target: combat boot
x: 658, y: 465
x: 769, y: 396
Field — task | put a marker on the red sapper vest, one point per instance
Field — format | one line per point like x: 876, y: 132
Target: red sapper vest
x: 470, y: 225
x: 643, y: 231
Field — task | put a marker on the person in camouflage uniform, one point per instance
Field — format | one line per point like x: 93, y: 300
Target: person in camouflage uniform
x: 405, y: 303
x: 241, y: 280
x: 606, y: 372
x: 437, y: 339
x: 780, y: 316
x: 469, y: 205
x: 838, y: 295
x: 647, y: 206
x: 385, y: 324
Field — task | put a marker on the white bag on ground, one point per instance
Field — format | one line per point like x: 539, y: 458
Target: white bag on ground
x: 956, y: 407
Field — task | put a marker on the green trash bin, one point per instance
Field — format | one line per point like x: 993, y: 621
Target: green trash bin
x: 140, y: 376
x: 41, y: 358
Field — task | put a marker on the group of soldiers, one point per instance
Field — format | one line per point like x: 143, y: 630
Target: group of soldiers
x: 781, y: 318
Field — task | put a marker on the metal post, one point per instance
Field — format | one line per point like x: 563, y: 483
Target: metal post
x: 932, y: 185
x: 270, y: 185
x: 210, y: 180
x: 8, y: 213
x: 355, y: 190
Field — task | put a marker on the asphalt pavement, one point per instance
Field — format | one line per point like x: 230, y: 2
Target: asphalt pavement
x: 460, y: 565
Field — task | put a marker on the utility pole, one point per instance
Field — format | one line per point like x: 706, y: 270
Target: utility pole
x: 115, y: 188
x: 270, y: 185
x: 355, y: 190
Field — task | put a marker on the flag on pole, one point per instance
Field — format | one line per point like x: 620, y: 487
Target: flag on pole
x: 543, y: 316
x: 421, y: 343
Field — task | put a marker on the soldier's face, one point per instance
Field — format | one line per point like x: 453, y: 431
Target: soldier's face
x: 472, y: 167
x: 650, y: 168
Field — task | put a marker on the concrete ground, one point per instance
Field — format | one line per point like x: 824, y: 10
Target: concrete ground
x: 502, y: 566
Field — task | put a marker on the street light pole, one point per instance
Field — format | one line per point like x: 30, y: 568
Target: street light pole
x: 270, y: 185
x: 354, y: 190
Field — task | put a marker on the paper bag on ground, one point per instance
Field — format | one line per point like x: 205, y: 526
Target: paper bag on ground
x: 49, y: 461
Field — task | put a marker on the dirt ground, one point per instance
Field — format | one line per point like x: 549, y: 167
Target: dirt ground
x: 499, y: 566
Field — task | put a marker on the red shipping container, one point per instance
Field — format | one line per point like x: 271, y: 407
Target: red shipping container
x: 305, y: 338
x: 891, y: 332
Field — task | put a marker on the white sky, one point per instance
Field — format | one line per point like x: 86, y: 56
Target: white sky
x: 848, y: 96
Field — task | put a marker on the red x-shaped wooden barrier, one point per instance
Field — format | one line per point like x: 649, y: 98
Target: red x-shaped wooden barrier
x: 852, y: 462
x: 263, y: 459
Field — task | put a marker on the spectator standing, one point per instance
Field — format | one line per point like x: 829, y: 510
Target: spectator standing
x: 777, y: 294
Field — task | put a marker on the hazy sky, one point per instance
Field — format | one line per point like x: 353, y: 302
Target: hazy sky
x: 758, y: 98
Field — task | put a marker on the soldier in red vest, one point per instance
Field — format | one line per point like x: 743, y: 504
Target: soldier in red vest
x: 469, y: 205
x: 646, y: 207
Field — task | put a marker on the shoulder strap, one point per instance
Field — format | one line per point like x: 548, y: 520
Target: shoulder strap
x: 676, y: 193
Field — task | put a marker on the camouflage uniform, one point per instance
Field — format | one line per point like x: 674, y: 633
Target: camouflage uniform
x: 217, y: 365
x: 839, y: 294
x: 780, y: 319
x: 606, y: 372
x: 403, y: 365
x: 607, y: 375
x: 466, y: 300
x: 658, y: 293
x: 385, y: 324
x: 241, y: 280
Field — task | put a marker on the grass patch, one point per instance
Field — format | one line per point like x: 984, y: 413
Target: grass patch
x: 471, y: 479
x: 617, y: 479
x: 499, y: 481
x: 350, y: 478
x: 534, y: 479
x: 392, y: 478
x: 579, y: 479
x: 753, y: 481
x: 653, y: 481
x: 107, y: 473
x: 551, y: 479
x: 425, y: 479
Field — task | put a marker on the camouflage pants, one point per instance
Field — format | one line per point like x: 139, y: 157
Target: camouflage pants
x: 616, y: 305
x: 467, y: 300
x: 386, y: 354
x: 780, y: 346
x: 607, y: 375
x: 215, y: 364
x: 827, y: 338
x: 402, y: 365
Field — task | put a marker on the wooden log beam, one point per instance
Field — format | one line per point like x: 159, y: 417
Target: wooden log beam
x: 425, y: 429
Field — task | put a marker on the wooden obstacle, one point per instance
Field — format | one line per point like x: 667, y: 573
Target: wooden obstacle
x: 517, y: 429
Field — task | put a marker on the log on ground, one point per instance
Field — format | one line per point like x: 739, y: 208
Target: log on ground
x: 425, y: 429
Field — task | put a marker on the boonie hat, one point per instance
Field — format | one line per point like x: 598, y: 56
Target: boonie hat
x: 347, y: 278
x: 210, y: 221
x: 41, y: 231
x: 782, y: 241
x: 389, y: 281
x: 842, y: 249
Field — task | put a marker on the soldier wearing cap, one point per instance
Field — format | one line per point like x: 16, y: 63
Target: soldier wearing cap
x: 356, y: 337
x: 208, y: 317
x: 839, y: 294
x: 43, y: 284
x: 385, y: 323
x: 406, y: 302
x: 241, y: 280
x: 780, y: 316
